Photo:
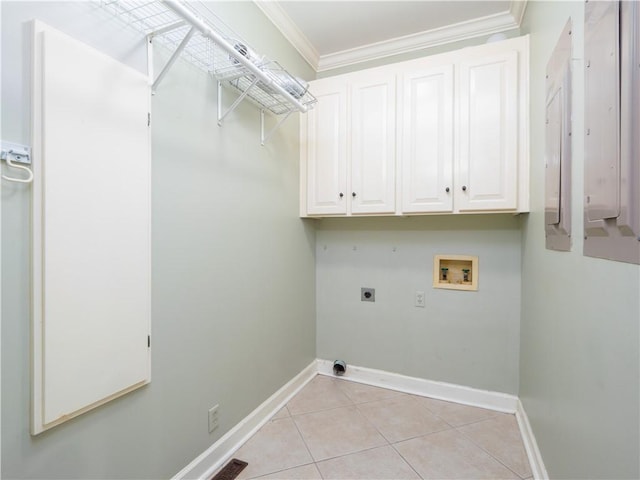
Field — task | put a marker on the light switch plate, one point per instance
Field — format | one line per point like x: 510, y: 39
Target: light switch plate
x: 213, y: 418
x: 419, y: 298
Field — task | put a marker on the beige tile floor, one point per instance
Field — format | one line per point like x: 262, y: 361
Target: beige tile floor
x: 337, y: 429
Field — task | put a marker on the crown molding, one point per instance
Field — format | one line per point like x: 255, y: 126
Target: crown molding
x: 451, y: 33
x: 488, y: 25
x: 290, y: 30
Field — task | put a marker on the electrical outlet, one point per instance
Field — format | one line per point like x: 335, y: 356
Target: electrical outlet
x: 419, y: 298
x: 213, y: 418
x: 367, y: 294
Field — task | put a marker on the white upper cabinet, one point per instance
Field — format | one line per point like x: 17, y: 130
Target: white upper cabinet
x: 348, y: 147
x: 373, y: 143
x: 426, y: 146
x: 451, y: 138
x: 487, y: 167
x: 324, y: 145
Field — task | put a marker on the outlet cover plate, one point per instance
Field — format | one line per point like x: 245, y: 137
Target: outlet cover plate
x: 367, y: 294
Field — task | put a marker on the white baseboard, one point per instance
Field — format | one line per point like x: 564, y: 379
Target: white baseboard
x: 530, y: 445
x: 501, y: 402
x: 208, y: 462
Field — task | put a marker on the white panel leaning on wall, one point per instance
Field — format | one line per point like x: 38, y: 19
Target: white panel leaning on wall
x: 91, y: 229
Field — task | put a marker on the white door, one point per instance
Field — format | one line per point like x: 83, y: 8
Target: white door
x: 427, y: 140
x: 487, y: 166
x: 326, y: 150
x: 373, y: 123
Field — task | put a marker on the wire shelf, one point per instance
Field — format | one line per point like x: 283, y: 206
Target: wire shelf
x: 156, y: 19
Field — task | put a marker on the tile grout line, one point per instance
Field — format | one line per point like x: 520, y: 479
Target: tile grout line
x: 409, y: 438
x: 423, y: 435
x: 406, y: 461
x: 394, y: 393
x: 315, y: 462
x: 283, y: 470
x: 305, y: 443
x: 451, y: 425
x: 354, y: 404
x: 474, y: 422
x: 494, y: 413
x: 321, y: 410
x: 352, y: 453
x: 375, y: 428
x: 271, y: 420
x: 391, y: 445
x: 489, y: 453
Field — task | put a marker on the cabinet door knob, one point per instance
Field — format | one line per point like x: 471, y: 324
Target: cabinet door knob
x: 446, y: 189
x: 341, y: 194
x: 464, y: 188
x: 353, y: 194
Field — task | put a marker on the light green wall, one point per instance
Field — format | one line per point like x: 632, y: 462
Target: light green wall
x: 233, y: 265
x: 465, y: 338
x: 579, y: 365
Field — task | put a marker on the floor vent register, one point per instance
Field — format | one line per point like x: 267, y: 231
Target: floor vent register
x: 231, y: 470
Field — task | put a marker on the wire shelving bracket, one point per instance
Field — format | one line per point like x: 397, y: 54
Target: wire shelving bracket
x: 264, y: 138
x: 197, y: 35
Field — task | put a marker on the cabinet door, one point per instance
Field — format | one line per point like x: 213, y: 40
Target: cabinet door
x: 487, y: 167
x: 373, y: 123
x: 326, y: 150
x: 427, y: 140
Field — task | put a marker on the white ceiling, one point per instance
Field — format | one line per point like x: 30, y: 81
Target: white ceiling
x: 332, y: 34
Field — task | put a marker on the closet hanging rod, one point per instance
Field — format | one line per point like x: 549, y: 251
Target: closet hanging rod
x: 209, y: 33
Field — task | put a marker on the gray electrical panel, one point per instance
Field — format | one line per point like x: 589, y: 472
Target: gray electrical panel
x: 602, y: 110
x: 557, y: 204
x: 612, y: 136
